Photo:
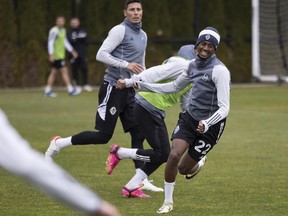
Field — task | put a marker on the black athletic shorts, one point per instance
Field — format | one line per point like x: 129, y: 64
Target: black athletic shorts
x: 200, y: 143
x: 114, y: 103
x: 59, y: 63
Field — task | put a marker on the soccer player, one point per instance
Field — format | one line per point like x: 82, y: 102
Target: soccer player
x: 124, y: 53
x: 57, y: 42
x: 77, y: 36
x: 19, y: 158
x: 187, y: 51
x: 201, y: 126
x: 149, y: 113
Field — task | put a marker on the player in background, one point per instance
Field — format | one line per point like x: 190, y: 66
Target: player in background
x: 124, y: 52
x: 77, y: 36
x: 201, y: 126
x: 57, y: 42
x: 19, y: 158
x: 187, y: 52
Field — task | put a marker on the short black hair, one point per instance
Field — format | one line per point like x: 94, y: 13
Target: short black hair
x: 127, y: 2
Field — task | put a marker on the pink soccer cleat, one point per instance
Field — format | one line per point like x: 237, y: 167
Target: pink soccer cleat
x: 137, y: 193
x: 113, y: 159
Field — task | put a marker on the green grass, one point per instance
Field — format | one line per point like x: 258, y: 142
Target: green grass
x: 246, y: 173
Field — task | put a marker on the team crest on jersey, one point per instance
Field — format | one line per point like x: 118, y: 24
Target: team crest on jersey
x: 113, y: 110
x: 176, y: 129
x: 205, y: 77
x: 207, y: 37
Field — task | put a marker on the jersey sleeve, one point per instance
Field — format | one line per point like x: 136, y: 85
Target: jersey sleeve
x: 51, y: 39
x: 67, y: 44
x: 172, y: 87
x: 170, y: 69
x: 18, y: 157
x: 222, y: 80
x: 144, y: 55
x: 114, y: 38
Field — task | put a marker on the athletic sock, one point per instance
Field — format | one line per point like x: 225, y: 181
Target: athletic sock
x: 70, y: 88
x: 136, y: 180
x: 63, y: 142
x: 48, y: 89
x: 127, y: 153
x: 169, y: 189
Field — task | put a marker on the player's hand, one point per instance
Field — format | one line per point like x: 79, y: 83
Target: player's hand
x: 120, y: 84
x: 135, y: 68
x: 135, y: 85
x: 201, y: 127
x: 74, y: 54
x: 51, y: 58
x: 106, y: 209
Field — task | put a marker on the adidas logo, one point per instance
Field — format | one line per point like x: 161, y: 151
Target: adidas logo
x: 131, y: 38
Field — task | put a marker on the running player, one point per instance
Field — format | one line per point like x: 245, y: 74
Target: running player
x: 124, y: 53
x: 150, y: 114
x: 201, y: 126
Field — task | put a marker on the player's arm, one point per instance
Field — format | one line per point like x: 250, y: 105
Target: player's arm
x: 170, y: 69
x: 222, y: 80
x: 69, y: 48
x: 19, y: 158
x: 144, y: 55
x: 172, y: 87
x: 51, y: 39
x: 114, y: 38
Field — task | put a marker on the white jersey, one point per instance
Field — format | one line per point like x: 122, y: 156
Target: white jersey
x: 18, y: 157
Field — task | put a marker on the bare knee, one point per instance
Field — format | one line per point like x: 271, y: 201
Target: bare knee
x: 174, y: 157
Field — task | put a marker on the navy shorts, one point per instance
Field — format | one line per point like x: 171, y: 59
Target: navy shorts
x: 59, y: 63
x: 199, y: 143
x: 114, y: 103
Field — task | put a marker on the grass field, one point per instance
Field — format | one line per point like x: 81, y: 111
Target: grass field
x: 246, y: 173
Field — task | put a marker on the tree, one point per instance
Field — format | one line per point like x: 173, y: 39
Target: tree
x: 32, y: 65
x: 8, y: 47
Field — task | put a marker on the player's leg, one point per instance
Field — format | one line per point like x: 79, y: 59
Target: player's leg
x: 199, y: 149
x: 155, y: 132
x: 74, y: 72
x: 179, y: 147
x: 66, y: 79
x: 50, y: 81
x: 129, y: 123
x: 84, y: 73
x: 105, y: 123
x: 190, y: 167
x: 183, y: 132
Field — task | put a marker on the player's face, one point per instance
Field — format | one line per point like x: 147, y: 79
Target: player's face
x: 205, y: 49
x: 60, y: 22
x: 134, y: 12
x: 74, y: 23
